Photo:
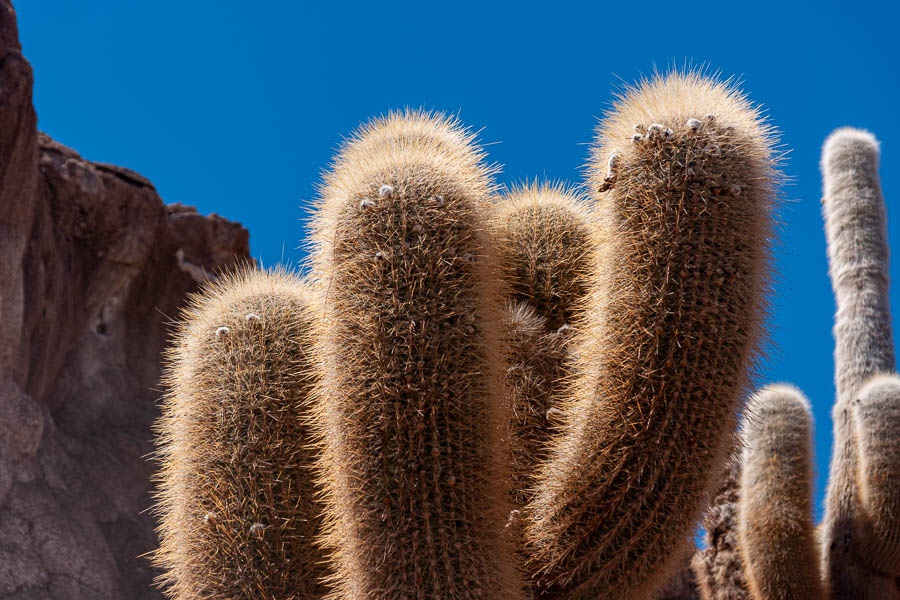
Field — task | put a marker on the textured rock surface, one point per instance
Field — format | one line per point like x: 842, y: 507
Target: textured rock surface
x: 93, y: 266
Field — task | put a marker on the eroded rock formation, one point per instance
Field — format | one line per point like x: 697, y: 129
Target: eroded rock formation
x: 93, y: 267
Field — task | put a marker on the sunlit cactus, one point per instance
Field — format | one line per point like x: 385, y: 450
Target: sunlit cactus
x: 683, y: 166
x: 855, y: 228
x: 876, y: 425
x: 236, y: 501
x: 410, y: 398
x: 775, y: 520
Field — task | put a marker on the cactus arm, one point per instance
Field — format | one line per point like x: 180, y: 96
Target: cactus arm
x: 855, y: 229
x: 677, y: 303
x: 876, y: 421
x: 775, y: 526
x: 236, y: 499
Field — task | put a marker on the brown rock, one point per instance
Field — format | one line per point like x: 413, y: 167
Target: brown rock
x: 93, y: 267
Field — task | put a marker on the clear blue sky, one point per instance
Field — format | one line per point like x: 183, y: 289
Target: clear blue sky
x: 237, y: 110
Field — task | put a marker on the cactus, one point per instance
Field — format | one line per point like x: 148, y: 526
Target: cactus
x: 683, y: 584
x: 775, y: 527
x: 534, y: 377
x: 854, y: 213
x: 236, y: 499
x: 684, y: 166
x: 409, y: 404
x: 876, y: 421
x: 543, y: 242
x: 544, y: 246
x: 718, y: 567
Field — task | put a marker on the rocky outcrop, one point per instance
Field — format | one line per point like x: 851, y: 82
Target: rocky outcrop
x: 93, y: 268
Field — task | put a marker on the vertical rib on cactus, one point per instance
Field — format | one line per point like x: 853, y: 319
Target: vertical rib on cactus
x: 410, y: 399
x: 854, y: 213
x: 544, y: 248
x: 684, y: 166
x: 775, y: 527
x: 718, y: 567
x: 876, y: 420
x: 236, y: 498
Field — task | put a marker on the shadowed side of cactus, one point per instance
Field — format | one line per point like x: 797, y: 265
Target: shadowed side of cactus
x: 236, y: 499
x: 544, y: 248
x: 684, y: 169
x: 534, y: 375
x: 410, y: 403
x: 775, y: 526
x: 683, y: 584
x: 876, y: 421
x: 718, y: 567
x: 855, y: 228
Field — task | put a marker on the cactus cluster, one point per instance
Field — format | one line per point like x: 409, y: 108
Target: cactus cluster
x: 853, y: 555
x: 478, y: 394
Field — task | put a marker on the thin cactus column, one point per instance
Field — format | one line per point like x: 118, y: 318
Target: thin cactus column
x: 855, y: 228
x: 718, y: 567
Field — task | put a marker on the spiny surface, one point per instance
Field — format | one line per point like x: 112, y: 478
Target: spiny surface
x: 410, y: 405
x: 855, y: 229
x: 682, y: 585
x: 775, y: 527
x: 718, y: 567
x: 876, y: 423
x: 544, y: 244
x: 534, y: 378
x: 685, y: 207
x: 236, y: 501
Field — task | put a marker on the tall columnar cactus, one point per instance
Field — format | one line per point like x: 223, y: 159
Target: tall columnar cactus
x: 237, y: 508
x: 775, y: 526
x: 684, y: 169
x: 858, y: 265
x: 718, y: 567
x: 876, y: 425
x: 409, y: 403
x: 543, y: 237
